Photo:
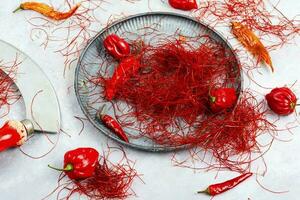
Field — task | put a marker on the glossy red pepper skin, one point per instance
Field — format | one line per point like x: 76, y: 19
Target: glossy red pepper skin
x: 222, y: 99
x: 282, y: 101
x: 184, y: 4
x: 113, y: 125
x: 12, y: 134
x: 80, y: 163
x: 116, y: 46
x: 126, y: 68
x: 219, y: 188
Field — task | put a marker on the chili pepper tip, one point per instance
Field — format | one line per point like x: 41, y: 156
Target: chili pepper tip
x: 101, y: 111
x: 69, y: 167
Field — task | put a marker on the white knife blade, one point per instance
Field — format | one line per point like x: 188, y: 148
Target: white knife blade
x: 41, y: 103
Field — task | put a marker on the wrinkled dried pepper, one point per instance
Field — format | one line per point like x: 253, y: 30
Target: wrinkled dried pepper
x: 222, y: 98
x: 282, y: 101
x: 126, y: 68
x: 184, y: 4
x: 116, y: 46
x: 47, y: 10
x: 251, y: 42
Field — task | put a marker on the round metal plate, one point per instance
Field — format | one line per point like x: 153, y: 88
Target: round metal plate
x: 157, y: 24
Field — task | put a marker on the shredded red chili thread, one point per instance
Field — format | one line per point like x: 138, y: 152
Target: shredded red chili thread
x: 52, y: 145
x: 77, y: 30
x: 9, y: 93
x: 259, y: 15
x: 167, y: 101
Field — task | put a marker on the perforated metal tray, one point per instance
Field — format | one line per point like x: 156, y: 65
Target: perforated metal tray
x: 133, y: 27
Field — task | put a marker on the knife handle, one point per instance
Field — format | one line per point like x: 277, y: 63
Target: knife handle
x: 14, y: 133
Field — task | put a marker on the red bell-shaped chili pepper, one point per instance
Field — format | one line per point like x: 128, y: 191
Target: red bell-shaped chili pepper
x: 184, y: 4
x: 282, y: 101
x: 12, y: 134
x: 126, y: 68
x: 80, y: 163
x: 116, y: 46
x: 222, y: 99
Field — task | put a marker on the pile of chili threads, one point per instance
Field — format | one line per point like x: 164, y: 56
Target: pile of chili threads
x: 261, y: 16
x: 111, y: 180
x: 169, y: 94
x: 9, y: 93
x: 167, y: 101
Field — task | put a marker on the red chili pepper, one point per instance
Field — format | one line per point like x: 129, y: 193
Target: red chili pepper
x: 184, y: 4
x: 80, y: 163
x: 112, y: 124
x: 126, y: 68
x: 282, y: 101
x: 219, y: 188
x: 222, y: 98
x: 116, y: 46
x: 12, y: 134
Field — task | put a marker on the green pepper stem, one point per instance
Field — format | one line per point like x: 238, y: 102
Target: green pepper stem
x: 68, y: 168
x: 212, y: 99
x: 101, y: 112
x: 17, y: 9
x: 206, y: 191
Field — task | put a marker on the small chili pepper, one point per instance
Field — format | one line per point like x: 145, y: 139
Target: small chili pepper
x: 112, y: 124
x: 219, y: 188
x: 282, y: 101
x: 79, y: 163
x: 116, y: 46
x: 252, y: 43
x: 126, y: 68
x: 12, y: 134
x: 222, y: 98
x: 47, y: 10
x: 184, y: 4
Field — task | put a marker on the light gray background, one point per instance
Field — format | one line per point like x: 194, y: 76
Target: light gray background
x: 23, y: 178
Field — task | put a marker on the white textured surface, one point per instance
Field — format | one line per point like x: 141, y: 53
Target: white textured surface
x: 28, y: 179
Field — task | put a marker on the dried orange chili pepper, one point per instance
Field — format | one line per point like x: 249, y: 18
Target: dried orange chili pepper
x: 47, y: 10
x: 251, y: 42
